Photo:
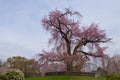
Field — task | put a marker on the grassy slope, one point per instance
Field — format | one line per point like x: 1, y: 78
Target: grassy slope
x: 65, y: 78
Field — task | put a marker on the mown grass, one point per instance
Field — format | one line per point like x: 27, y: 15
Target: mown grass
x: 65, y: 78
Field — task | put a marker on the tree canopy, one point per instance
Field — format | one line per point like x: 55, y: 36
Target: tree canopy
x: 69, y: 39
x: 28, y: 66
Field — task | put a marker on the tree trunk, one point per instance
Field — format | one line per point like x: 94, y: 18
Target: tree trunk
x: 69, y: 66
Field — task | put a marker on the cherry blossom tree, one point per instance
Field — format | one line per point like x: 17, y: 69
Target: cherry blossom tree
x: 113, y: 64
x: 70, y: 39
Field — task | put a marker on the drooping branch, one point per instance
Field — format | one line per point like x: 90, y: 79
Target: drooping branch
x: 70, y: 37
x: 77, y: 46
x: 91, y: 54
x: 49, y: 59
x: 85, y: 41
x: 96, y: 40
x: 66, y: 35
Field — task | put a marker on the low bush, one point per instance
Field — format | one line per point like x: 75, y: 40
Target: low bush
x: 14, y: 74
x: 113, y: 77
x: 2, y: 76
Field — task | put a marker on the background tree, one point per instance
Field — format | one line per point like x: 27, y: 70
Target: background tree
x: 16, y: 62
x: 1, y: 63
x: 70, y: 40
x: 113, y: 65
x: 3, y: 66
x: 28, y: 66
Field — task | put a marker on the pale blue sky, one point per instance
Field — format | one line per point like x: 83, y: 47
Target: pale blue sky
x: 21, y: 31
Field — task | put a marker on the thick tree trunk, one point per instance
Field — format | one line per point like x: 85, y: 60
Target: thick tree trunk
x: 69, y: 66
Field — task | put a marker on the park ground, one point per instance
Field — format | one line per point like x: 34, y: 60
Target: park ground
x: 65, y: 78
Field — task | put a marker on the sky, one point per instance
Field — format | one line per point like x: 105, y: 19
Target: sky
x: 21, y: 32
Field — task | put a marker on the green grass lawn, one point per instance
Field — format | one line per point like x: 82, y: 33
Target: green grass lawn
x: 65, y: 78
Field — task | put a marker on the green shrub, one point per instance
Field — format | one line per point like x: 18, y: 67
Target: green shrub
x: 113, y: 77
x: 14, y: 74
x: 2, y: 76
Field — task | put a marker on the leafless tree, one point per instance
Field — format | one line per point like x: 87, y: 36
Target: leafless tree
x: 113, y: 64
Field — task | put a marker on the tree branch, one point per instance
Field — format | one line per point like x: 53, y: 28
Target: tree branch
x: 51, y: 60
x: 96, y: 40
x: 90, y: 54
x: 77, y: 46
